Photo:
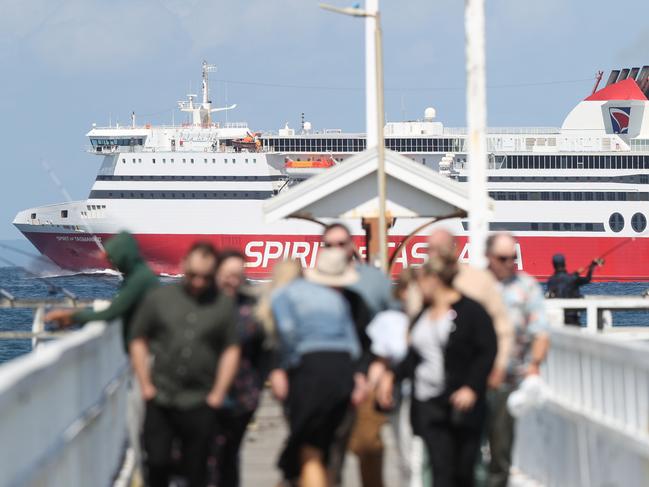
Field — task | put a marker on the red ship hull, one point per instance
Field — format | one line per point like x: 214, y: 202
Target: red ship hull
x: 628, y: 259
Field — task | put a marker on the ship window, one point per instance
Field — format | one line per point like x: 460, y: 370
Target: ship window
x: 213, y: 161
x: 192, y: 161
x: 123, y: 161
x: 639, y: 222
x: 205, y: 161
x: 225, y: 160
x: 616, y: 222
x: 153, y: 160
x: 139, y: 160
x: 184, y: 160
x: 246, y: 161
x: 254, y: 161
x: 172, y: 161
x: 164, y: 161
x: 33, y: 216
x: 133, y: 161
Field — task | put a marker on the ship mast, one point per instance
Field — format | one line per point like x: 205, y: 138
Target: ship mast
x: 202, y: 114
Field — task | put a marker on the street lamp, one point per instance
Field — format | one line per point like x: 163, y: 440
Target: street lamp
x: 374, y: 14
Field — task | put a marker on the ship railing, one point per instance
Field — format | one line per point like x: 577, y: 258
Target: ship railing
x: 62, y: 407
x: 506, y: 130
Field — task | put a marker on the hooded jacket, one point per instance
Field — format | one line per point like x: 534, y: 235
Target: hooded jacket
x: 123, y: 253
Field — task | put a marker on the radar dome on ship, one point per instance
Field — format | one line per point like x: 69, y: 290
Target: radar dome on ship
x: 429, y: 114
x: 307, y: 126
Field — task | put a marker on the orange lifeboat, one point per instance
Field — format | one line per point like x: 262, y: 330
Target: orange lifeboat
x: 321, y: 163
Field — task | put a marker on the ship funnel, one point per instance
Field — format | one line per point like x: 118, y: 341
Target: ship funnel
x: 623, y: 74
x: 634, y: 73
x: 643, y: 78
x: 613, y: 77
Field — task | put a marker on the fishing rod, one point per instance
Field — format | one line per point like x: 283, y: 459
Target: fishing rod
x: 26, y: 253
x: 615, y: 248
x: 52, y: 288
x: 57, y: 182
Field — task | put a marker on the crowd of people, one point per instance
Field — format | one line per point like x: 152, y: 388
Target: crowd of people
x: 436, y: 356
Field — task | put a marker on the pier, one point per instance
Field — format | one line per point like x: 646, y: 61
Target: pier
x: 64, y: 408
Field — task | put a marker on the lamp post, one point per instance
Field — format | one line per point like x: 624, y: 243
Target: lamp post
x: 374, y: 103
x: 476, y: 99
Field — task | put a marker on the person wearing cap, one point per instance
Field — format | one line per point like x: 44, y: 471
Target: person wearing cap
x: 563, y: 284
x: 318, y: 346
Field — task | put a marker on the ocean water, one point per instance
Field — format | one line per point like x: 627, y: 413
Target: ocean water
x: 24, y: 284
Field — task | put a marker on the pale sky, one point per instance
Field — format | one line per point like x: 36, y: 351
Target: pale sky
x: 69, y: 63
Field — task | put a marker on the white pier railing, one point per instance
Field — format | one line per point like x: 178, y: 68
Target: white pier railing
x: 594, y: 427
x: 63, y: 406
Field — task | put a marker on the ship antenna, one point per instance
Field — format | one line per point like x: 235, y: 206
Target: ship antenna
x: 598, y: 78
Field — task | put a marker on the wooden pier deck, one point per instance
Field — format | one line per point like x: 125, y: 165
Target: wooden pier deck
x: 264, y: 442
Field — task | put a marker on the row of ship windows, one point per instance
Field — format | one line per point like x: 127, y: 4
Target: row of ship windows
x: 616, y: 223
x: 181, y: 195
x: 575, y: 162
x: 569, y: 196
x: 632, y: 178
x: 191, y: 160
x: 542, y: 226
x: 189, y: 178
x: 116, y: 142
x: 357, y: 145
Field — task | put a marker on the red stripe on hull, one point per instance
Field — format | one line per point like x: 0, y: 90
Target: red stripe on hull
x: 629, y: 262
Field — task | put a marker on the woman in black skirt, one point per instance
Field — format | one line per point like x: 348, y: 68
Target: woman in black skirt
x: 452, y: 346
x: 317, y: 349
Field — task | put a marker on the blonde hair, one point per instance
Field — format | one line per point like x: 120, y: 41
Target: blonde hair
x: 442, y: 266
x: 283, y: 273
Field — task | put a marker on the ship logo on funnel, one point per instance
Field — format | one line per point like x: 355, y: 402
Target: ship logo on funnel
x: 620, y: 119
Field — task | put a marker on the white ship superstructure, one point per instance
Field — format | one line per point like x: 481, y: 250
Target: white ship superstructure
x: 580, y: 189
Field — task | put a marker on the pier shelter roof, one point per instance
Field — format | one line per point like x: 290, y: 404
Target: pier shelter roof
x: 349, y: 190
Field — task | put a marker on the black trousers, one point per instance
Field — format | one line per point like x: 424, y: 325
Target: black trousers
x: 225, y: 468
x: 453, y: 449
x: 194, y: 428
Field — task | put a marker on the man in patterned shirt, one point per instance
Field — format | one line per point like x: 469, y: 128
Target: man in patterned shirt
x: 523, y: 298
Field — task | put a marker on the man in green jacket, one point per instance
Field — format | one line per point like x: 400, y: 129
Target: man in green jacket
x: 124, y: 255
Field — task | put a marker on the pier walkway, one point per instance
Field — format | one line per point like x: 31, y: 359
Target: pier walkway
x: 63, y: 421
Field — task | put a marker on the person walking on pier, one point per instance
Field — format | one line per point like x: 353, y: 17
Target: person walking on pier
x: 190, y: 330
x: 452, y: 347
x: 244, y: 395
x: 317, y: 349
x: 566, y: 285
x: 523, y: 297
x: 361, y: 429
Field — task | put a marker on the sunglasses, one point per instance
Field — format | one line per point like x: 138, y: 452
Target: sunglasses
x: 195, y: 275
x: 505, y: 258
x: 340, y: 244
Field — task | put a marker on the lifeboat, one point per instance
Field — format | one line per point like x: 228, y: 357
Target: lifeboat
x: 249, y: 143
x: 308, y: 167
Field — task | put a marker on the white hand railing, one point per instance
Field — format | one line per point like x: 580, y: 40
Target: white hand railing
x: 63, y: 410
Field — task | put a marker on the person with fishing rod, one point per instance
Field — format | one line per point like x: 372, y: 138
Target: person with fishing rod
x: 564, y: 284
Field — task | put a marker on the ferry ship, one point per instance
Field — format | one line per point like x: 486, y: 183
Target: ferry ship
x: 581, y: 189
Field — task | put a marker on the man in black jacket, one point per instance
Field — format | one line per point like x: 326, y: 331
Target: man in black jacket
x: 566, y: 285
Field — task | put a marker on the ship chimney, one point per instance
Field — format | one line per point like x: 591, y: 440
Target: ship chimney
x: 623, y: 74
x: 634, y: 73
x: 643, y: 79
x: 613, y: 77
